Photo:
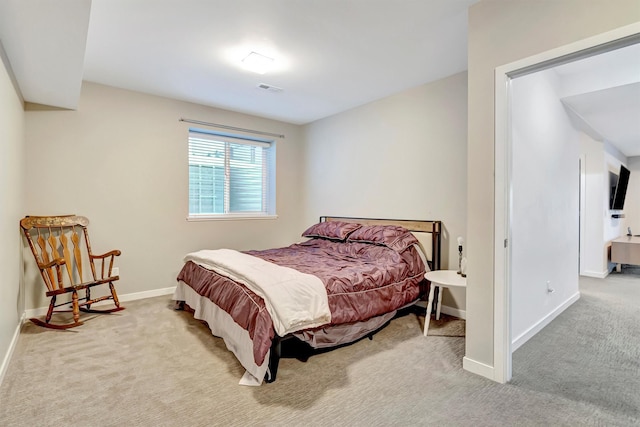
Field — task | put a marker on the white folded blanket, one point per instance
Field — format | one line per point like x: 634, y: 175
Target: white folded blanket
x: 294, y: 300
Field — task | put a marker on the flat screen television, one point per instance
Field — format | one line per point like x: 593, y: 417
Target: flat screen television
x: 618, y: 190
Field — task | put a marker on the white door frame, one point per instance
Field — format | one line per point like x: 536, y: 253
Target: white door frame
x: 604, y: 42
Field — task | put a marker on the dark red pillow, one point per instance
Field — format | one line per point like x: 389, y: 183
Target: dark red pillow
x: 334, y: 230
x: 391, y: 236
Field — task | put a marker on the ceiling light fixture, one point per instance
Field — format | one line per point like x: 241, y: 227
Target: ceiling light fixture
x: 257, y: 63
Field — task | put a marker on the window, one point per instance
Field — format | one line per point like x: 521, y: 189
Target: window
x: 230, y: 175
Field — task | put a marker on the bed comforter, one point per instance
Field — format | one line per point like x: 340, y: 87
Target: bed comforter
x: 294, y: 300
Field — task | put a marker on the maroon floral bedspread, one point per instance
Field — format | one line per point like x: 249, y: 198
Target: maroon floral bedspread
x: 362, y: 281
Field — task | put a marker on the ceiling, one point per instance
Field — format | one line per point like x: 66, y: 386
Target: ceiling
x: 604, y: 92
x: 329, y: 56
x: 45, y: 43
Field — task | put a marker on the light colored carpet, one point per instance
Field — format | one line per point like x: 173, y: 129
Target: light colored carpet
x: 447, y: 326
x: 590, y: 353
x: 152, y: 366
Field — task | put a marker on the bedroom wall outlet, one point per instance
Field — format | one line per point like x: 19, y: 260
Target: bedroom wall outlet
x: 115, y: 271
x: 550, y: 290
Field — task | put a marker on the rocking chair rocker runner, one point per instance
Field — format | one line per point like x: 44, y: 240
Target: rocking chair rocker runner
x: 56, y: 244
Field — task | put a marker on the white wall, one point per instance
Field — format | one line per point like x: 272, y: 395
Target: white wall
x: 598, y: 227
x: 544, y: 204
x: 593, y: 252
x: 403, y: 156
x: 12, y: 171
x: 501, y: 32
x: 121, y: 160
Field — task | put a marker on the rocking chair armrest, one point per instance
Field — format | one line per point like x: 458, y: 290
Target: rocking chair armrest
x: 57, y: 262
x: 114, y: 252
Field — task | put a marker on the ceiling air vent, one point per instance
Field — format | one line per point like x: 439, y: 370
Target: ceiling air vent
x: 270, y: 88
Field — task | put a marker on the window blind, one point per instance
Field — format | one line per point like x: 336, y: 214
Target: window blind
x: 230, y: 175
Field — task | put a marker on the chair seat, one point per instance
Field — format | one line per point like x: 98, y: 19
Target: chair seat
x: 82, y: 286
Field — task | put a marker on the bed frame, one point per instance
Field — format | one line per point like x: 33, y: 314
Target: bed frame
x: 419, y: 226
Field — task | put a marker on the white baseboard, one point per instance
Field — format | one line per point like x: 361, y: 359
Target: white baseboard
x: 147, y: 294
x: 41, y: 311
x: 451, y: 311
x: 596, y: 274
x: 478, y: 368
x: 455, y: 312
x: 528, y: 334
x: 12, y: 347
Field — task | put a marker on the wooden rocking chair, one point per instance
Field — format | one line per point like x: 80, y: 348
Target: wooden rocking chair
x: 56, y: 244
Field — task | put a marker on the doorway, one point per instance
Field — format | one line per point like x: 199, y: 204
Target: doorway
x: 512, y: 218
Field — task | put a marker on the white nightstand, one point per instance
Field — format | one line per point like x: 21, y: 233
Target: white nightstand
x: 441, y: 279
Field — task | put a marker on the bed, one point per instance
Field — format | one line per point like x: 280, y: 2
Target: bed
x: 346, y: 281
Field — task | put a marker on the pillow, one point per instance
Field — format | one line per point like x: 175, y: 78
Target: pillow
x: 334, y: 230
x: 391, y: 236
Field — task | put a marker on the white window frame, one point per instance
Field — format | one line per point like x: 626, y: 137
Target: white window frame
x: 269, y: 176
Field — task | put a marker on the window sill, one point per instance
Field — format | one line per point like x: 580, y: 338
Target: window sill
x: 229, y: 217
